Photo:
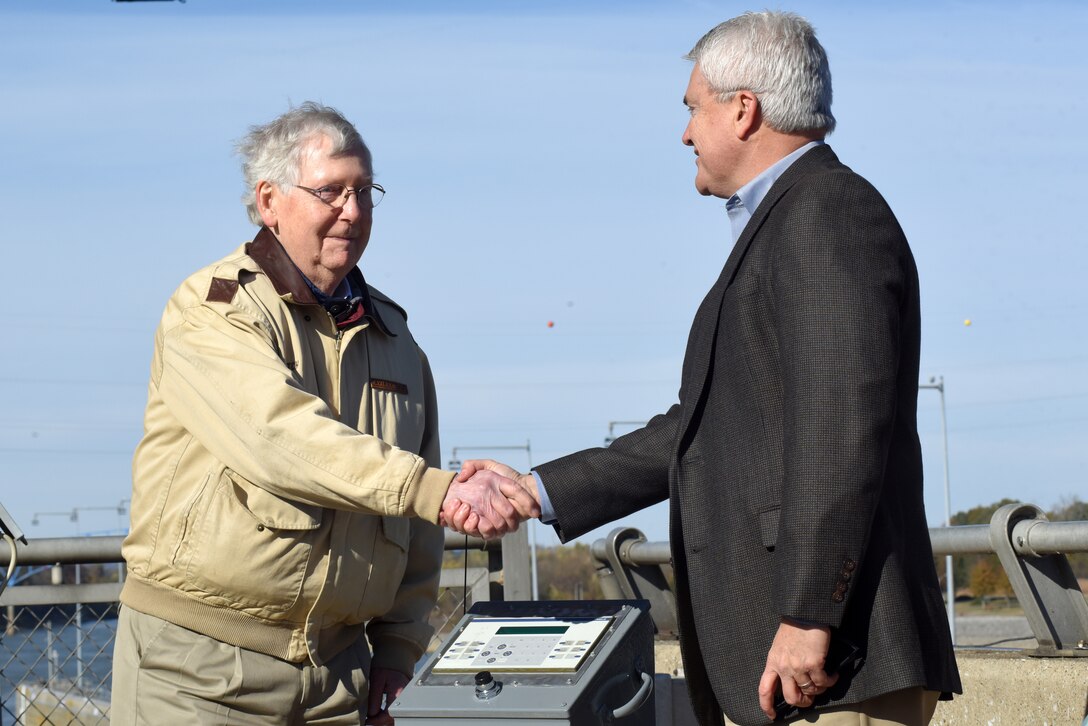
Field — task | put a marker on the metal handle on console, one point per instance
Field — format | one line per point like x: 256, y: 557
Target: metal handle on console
x: 638, y: 700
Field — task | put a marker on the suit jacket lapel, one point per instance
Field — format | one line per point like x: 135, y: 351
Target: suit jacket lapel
x: 704, y: 330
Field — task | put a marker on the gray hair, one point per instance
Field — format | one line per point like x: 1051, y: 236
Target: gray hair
x: 272, y: 152
x: 776, y: 56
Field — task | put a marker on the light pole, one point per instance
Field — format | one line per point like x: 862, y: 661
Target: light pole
x: 936, y: 383
x: 455, y: 464
x: 612, y: 429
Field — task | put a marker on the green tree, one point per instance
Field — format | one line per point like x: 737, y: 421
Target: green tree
x: 963, y: 565
x: 567, y: 573
x: 989, y: 578
x: 1070, y: 509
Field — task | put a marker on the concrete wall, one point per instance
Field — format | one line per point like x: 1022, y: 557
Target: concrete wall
x: 1010, y: 689
x: 1000, y: 688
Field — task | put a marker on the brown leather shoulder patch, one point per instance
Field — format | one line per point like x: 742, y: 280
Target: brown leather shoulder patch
x: 391, y: 386
x: 222, y: 290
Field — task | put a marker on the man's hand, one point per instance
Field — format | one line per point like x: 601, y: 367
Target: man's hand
x: 487, y: 504
x: 387, y: 684
x: 521, y: 489
x: 796, y: 660
x: 525, y: 481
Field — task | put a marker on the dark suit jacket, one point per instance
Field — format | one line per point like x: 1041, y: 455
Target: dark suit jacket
x: 791, y: 462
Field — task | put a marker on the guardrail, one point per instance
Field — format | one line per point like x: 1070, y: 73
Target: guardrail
x: 1030, y: 548
x: 56, y: 641
x: 55, y: 647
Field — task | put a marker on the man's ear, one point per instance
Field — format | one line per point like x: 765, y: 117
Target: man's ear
x: 747, y: 114
x: 268, y: 198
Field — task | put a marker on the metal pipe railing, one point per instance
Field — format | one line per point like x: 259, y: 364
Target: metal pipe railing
x: 966, y: 539
x: 1034, y: 537
x: 67, y: 550
x: 1031, y: 550
x: 636, y: 553
x: 1030, y: 538
x: 101, y: 550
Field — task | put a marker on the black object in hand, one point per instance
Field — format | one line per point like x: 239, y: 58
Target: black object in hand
x: 841, y: 655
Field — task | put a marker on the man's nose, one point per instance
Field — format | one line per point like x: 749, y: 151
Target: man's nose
x: 685, y: 138
x: 352, y: 209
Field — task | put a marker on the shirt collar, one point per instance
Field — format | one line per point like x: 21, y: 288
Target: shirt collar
x: 745, y: 200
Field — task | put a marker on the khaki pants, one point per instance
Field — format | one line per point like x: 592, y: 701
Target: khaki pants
x: 909, y: 707
x: 164, y: 674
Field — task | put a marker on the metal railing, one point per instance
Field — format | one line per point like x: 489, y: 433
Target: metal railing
x: 56, y: 641
x: 1031, y: 550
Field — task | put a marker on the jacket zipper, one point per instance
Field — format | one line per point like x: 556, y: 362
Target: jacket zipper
x: 339, y: 364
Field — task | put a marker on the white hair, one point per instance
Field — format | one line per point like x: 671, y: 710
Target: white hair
x: 272, y: 152
x: 776, y: 56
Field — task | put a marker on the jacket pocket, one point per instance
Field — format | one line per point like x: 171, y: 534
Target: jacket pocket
x: 271, y: 510
x: 768, y: 527
x: 388, y: 560
x: 251, y: 549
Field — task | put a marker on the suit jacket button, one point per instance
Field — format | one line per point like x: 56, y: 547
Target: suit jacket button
x: 849, y: 565
x: 841, y: 587
x: 837, y: 597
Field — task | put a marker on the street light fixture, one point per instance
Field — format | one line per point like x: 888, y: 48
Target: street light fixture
x: 455, y: 464
x: 36, y: 519
x: 120, y: 509
x: 936, y: 383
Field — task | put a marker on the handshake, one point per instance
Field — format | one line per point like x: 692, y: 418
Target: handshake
x: 488, y: 499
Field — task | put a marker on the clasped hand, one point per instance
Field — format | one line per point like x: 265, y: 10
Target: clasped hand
x: 795, y: 666
x: 488, y: 499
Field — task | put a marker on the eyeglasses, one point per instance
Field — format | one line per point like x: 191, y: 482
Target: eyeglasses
x: 336, y: 195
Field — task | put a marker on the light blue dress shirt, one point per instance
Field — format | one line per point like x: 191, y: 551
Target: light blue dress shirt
x: 746, y: 199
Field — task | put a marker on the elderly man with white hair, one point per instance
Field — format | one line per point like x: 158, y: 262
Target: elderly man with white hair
x: 284, y: 552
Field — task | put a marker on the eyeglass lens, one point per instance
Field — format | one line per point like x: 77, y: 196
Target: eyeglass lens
x: 334, y: 194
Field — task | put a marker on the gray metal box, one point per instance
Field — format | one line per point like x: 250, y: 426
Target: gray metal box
x: 577, y: 662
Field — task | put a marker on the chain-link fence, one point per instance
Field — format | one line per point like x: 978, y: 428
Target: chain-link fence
x: 55, y: 663
x: 56, y: 659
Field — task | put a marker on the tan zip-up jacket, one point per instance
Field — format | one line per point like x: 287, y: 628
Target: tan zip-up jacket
x: 286, y: 487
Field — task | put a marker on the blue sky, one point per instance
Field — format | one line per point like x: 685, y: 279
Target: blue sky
x: 532, y: 157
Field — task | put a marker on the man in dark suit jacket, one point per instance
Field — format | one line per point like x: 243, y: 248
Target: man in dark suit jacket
x: 791, y: 463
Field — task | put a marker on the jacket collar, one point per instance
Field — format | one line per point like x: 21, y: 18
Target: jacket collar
x: 276, y: 264
x: 700, y: 352
x: 817, y: 157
